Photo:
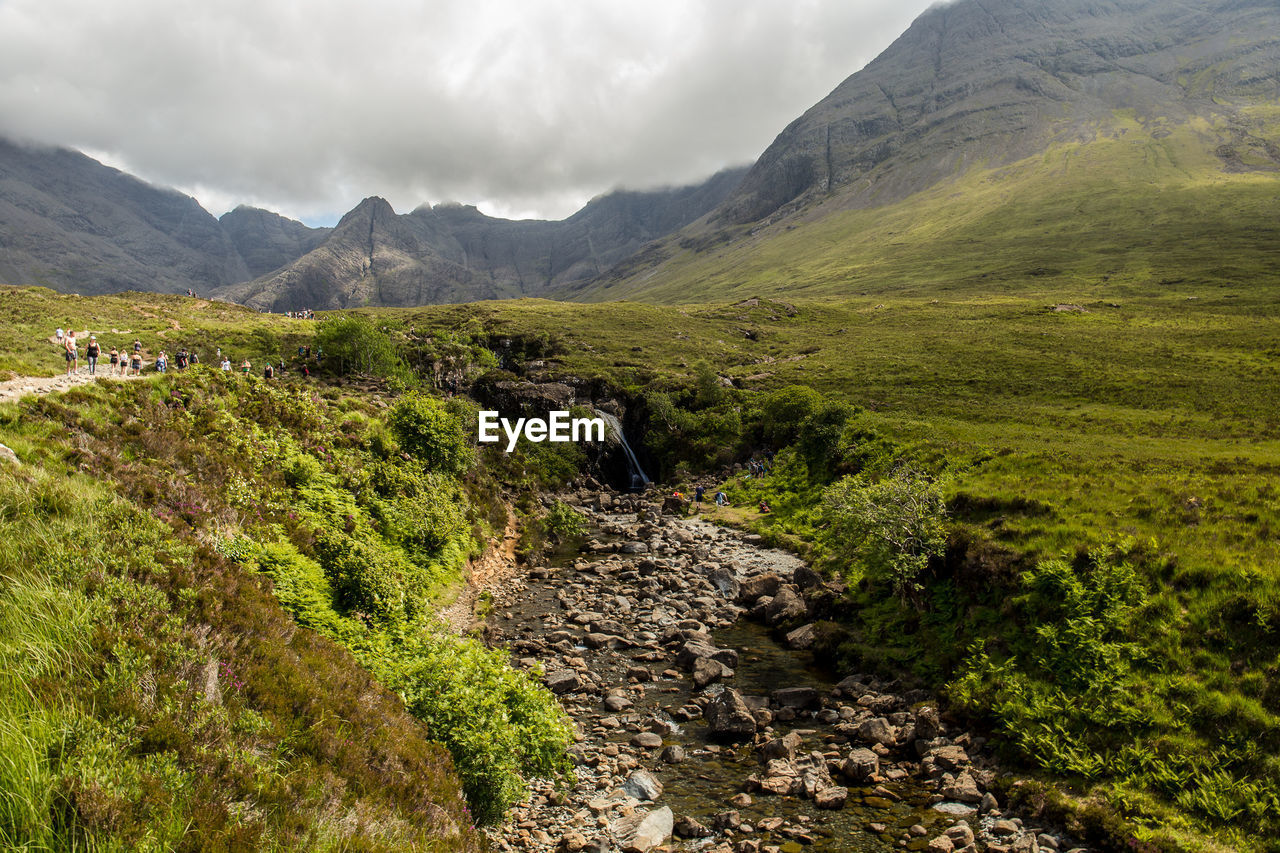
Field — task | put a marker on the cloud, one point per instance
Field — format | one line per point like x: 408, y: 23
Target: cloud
x: 527, y: 106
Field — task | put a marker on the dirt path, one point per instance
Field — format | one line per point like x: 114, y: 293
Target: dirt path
x: 15, y: 389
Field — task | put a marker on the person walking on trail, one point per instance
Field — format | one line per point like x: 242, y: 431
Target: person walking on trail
x: 268, y: 372
x: 59, y: 335
x: 135, y: 363
x: 73, y: 357
x: 698, y: 492
x: 162, y: 363
x: 722, y: 499
x: 226, y: 364
x: 91, y: 353
x: 245, y: 367
x: 115, y: 360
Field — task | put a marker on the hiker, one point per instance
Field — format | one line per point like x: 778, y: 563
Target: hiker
x: 162, y: 363
x: 306, y: 372
x: 226, y: 364
x: 115, y: 360
x: 195, y: 357
x: 698, y: 491
x: 245, y: 367
x: 91, y: 354
x: 268, y: 372
x: 181, y: 358
x: 722, y: 499
x: 135, y: 363
x: 73, y: 357
x: 58, y: 334
x: 764, y: 507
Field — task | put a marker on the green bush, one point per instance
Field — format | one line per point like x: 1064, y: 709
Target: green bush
x: 353, y: 344
x: 429, y: 431
x: 892, y: 527
x: 564, y: 521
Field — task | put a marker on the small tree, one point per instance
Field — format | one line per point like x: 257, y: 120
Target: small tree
x: 892, y: 526
x: 359, y: 347
x: 426, y: 428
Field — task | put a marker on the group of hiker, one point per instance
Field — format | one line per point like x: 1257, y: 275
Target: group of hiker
x: 128, y: 361
x: 304, y: 314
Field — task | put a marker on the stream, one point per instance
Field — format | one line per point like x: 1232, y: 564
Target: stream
x: 698, y: 730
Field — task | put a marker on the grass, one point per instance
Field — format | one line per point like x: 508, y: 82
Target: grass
x: 30, y: 315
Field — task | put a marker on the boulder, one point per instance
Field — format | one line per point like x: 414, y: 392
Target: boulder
x: 877, y: 730
x: 752, y: 588
x: 964, y: 789
x: 647, y: 740
x: 725, y: 582
x: 861, y: 765
x: 563, y: 681
x: 806, y: 577
x: 833, y: 797
x: 783, y: 748
x: 729, y: 717
x: 803, y: 637
x: 643, y: 785
x: 643, y: 831
x: 707, y: 671
x: 797, y: 697
x: 788, y: 605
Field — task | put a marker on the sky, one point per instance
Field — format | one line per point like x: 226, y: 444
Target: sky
x: 525, y: 108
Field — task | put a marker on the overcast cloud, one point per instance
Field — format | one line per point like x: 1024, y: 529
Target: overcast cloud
x: 524, y: 107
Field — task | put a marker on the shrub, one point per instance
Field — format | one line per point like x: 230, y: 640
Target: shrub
x: 433, y: 434
x: 355, y: 345
x: 892, y: 526
x: 565, y: 522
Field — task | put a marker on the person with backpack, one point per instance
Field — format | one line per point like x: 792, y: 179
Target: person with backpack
x: 162, y: 363
x: 91, y: 353
x: 269, y: 372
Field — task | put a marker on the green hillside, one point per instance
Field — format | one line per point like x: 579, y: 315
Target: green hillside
x: 1143, y: 208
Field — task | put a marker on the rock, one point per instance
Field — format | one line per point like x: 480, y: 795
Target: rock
x: 961, y: 834
x: 964, y: 789
x: 727, y: 820
x: 989, y: 803
x: 639, y: 673
x: 806, y: 577
x: 861, y: 765
x: 833, y: 797
x: 877, y: 730
x: 647, y: 740
x: 706, y: 671
x: 729, y: 717
x: 616, y: 703
x: 941, y: 844
x: 955, y: 809
x: 672, y: 505
x: 7, y: 455
x: 563, y: 681
x: 693, y: 651
x: 634, y: 548
x: 572, y: 842
x: 949, y: 757
x: 797, y: 697
x: 928, y: 726
x: 725, y: 582
x: 643, y: 831
x: 803, y: 637
x: 643, y: 785
x: 783, y: 748
x: 786, y: 606
x: 1004, y: 827
x: 751, y: 589
x: 687, y: 827
x: 673, y: 754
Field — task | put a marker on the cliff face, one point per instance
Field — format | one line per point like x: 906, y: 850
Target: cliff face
x: 988, y: 82
x: 267, y: 241
x: 70, y: 223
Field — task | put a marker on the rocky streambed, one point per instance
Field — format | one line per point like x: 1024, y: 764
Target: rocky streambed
x: 698, y: 730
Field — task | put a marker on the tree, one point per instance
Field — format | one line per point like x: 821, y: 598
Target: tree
x: 892, y: 526
x: 358, y: 346
x: 426, y: 428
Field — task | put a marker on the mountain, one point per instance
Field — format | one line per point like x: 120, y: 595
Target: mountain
x: 455, y: 253
x: 73, y: 224
x: 999, y: 137
x: 267, y: 241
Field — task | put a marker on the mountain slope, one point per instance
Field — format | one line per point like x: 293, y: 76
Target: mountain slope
x: 980, y: 107
x: 70, y: 223
x: 267, y: 241
x: 452, y: 253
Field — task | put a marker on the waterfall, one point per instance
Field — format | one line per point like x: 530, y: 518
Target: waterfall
x: 638, y: 478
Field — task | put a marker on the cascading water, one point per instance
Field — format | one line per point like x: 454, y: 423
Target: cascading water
x: 638, y: 478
